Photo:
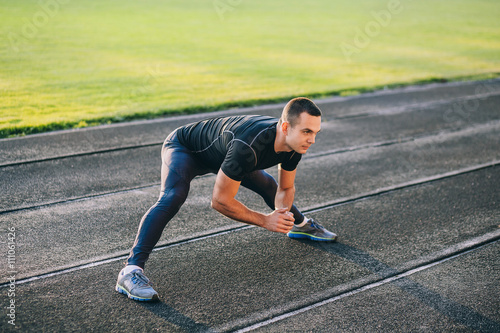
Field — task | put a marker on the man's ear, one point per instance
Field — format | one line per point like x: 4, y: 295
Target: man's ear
x: 284, y: 127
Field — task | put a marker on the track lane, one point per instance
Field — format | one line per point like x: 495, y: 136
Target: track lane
x: 46, y: 182
x: 139, y: 133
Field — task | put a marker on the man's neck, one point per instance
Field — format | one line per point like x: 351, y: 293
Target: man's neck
x: 280, y: 142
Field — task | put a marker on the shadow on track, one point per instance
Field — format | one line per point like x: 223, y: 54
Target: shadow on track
x: 173, y: 316
x: 449, y: 308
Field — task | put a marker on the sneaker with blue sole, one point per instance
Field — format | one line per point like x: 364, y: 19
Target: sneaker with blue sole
x: 136, y: 286
x: 312, y: 230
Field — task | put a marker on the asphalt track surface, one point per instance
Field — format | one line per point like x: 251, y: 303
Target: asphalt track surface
x: 408, y: 178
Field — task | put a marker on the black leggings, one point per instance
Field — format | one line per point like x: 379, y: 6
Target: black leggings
x: 179, y: 167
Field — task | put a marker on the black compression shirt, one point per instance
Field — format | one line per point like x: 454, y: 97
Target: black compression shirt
x: 238, y: 145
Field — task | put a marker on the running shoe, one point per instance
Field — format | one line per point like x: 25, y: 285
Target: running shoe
x: 312, y: 230
x: 136, y: 286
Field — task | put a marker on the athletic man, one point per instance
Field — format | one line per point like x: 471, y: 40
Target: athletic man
x: 237, y: 149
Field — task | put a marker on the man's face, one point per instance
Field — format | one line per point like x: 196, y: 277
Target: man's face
x: 301, y: 136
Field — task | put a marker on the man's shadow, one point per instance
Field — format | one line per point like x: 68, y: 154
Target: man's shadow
x: 173, y: 316
x: 447, y: 307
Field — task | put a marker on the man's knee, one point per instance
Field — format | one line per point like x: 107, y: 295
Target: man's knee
x: 173, y: 197
x: 267, y: 181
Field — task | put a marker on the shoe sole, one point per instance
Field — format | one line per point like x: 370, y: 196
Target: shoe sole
x: 121, y: 290
x: 307, y: 236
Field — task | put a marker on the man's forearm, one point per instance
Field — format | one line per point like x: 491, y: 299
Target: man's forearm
x: 239, y: 212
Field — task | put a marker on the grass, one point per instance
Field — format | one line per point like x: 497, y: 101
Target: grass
x: 67, y: 63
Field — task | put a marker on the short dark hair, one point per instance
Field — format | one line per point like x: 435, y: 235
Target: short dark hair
x: 295, y: 107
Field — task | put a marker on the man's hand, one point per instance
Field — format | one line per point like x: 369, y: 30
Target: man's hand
x: 281, y: 220
x: 225, y: 189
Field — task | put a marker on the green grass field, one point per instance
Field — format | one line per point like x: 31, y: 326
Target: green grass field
x: 68, y: 63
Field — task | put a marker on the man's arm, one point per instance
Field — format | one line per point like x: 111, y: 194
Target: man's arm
x: 223, y: 200
x: 286, y: 189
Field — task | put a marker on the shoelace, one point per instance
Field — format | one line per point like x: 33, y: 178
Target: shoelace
x: 315, y: 224
x: 138, y: 277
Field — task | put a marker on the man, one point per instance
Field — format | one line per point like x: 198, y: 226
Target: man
x: 237, y: 149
